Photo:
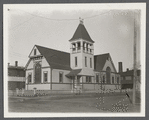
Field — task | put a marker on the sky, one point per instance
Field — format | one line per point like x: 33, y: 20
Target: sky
x: 53, y: 26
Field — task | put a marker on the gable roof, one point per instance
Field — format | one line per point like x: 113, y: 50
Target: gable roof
x: 81, y: 32
x: 100, y: 60
x: 56, y: 59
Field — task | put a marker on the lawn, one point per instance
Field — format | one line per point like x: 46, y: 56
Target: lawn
x: 73, y: 103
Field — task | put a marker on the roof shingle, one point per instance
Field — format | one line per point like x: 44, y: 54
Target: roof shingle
x: 81, y: 32
x: 56, y: 59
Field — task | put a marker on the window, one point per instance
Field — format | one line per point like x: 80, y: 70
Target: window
x: 91, y: 62
x: 34, y: 51
x: 45, y: 76
x: 113, y: 80
x: 87, y: 79
x: 29, y: 78
x: 75, y: 61
x: 117, y: 80
x: 61, y: 77
x: 85, y: 61
x: 103, y: 81
x: 90, y: 79
x: 97, y: 78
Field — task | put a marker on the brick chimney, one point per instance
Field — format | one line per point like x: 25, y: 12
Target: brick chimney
x: 16, y: 63
x: 120, y: 67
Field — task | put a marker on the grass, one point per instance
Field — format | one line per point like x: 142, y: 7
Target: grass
x: 73, y: 103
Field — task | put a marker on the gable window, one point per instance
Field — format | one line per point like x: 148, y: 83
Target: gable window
x: 85, y: 61
x: 91, y: 62
x: 29, y: 77
x: 45, y: 76
x: 97, y: 78
x: 60, y: 77
x: 34, y: 51
x: 76, y: 62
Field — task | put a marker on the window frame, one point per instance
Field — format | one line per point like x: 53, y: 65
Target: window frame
x: 113, y: 80
x: 103, y: 79
x: 60, y: 78
x: 85, y: 61
x: 76, y: 61
x: 45, y: 72
x: 97, y: 76
x: 90, y: 62
x: 30, y: 80
x: 117, y: 80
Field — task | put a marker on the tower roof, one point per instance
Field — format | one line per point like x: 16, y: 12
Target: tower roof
x: 81, y: 32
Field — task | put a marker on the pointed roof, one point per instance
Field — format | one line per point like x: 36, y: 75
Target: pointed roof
x: 56, y: 59
x: 81, y: 32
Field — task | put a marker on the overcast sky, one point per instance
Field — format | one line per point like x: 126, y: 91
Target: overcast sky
x: 52, y: 27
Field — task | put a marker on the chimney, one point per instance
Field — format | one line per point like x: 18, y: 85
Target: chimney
x: 120, y: 67
x: 127, y: 69
x: 16, y: 63
x: 8, y: 64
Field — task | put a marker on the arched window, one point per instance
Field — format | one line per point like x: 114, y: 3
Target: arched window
x: 37, y: 73
x: 108, y: 74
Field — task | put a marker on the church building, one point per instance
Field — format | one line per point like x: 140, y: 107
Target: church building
x: 49, y: 69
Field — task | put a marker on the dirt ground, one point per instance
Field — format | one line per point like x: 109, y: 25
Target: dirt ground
x: 73, y: 103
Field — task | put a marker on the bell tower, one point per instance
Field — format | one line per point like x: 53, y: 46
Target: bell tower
x: 81, y: 49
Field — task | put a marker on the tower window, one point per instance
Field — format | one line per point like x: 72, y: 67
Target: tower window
x: 34, y: 51
x: 85, y: 61
x: 91, y: 62
x: 75, y: 61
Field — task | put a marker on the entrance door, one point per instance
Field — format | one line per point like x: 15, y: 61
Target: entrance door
x: 38, y: 73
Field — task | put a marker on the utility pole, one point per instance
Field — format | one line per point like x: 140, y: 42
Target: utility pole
x: 135, y: 57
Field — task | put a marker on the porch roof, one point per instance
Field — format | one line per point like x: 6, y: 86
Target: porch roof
x: 73, y: 72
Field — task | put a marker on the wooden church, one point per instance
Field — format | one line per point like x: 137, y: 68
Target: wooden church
x: 49, y: 69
